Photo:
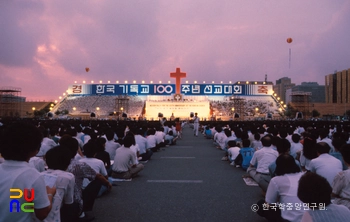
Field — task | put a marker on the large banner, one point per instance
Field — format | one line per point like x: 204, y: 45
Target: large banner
x: 169, y: 89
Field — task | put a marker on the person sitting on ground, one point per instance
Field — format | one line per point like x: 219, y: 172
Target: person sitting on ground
x: 219, y: 138
x: 233, y: 151
x: 341, y: 182
x: 282, y: 190
x: 90, y: 151
x: 101, y: 153
x: 111, y: 146
x: 324, y: 138
x: 46, y: 144
x: 85, y: 198
x: 134, y: 147
x: 57, y: 160
x: 325, y: 164
x: 283, y: 148
x: 246, y: 153
x: 145, y: 153
x: 207, y: 133
x: 308, y: 153
x: 124, y: 166
x: 262, y: 159
x: 295, y: 147
x: 38, y: 163
x: 315, y: 192
x: 338, y: 143
x: 170, y: 139
x: 18, y: 143
x: 151, y: 140
x: 256, y: 144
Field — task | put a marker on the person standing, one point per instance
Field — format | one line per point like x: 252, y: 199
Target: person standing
x: 195, y: 124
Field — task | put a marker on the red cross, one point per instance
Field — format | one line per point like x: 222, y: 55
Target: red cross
x: 178, y: 75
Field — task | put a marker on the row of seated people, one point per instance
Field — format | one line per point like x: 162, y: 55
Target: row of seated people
x: 70, y: 169
x: 298, y: 173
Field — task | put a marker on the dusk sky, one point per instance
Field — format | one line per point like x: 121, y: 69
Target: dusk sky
x: 46, y: 45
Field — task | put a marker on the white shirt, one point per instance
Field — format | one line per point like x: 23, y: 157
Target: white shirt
x: 142, y: 142
x: 264, y: 157
x: 159, y: 136
x: 151, y: 141
x: 233, y: 152
x: 327, y: 166
x: 19, y: 174
x: 64, y: 193
x: 111, y: 147
x: 135, y: 149
x: 46, y: 145
x: 96, y: 165
x: 284, y: 189
x: 38, y: 163
x: 220, y: 138
x: 294, y: 148
x: 123, y: 160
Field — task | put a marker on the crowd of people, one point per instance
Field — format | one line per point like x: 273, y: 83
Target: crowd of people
x: 63, y: 166
x: 301, y: 167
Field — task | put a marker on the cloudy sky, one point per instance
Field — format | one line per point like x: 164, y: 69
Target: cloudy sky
x: 46, y: 45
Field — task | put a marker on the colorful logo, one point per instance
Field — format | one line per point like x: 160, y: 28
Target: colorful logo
x: 27, y: 207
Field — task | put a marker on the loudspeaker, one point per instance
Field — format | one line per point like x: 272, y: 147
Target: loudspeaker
x: 92, y: 115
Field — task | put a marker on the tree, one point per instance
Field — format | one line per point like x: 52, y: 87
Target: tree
x: 315, y: 113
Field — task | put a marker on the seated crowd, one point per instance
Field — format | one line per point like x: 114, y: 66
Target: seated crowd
x: 302, y: 172
x: 69, y: 165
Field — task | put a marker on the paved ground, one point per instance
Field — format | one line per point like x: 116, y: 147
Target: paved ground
x: 185, y: 182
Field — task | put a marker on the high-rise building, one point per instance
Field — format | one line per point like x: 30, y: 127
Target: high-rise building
x: 281, y: 86
x: 337, y: 87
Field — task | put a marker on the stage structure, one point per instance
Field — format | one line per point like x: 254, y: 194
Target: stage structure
x: 238, y: 107
x: 301, y: 102
x: 177, y: 99
x: 122, y: 105
x: 11, y: 102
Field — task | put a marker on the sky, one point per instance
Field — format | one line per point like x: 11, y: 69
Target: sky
x: 46, y: 45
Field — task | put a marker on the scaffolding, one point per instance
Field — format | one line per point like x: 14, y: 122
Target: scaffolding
x: 238, y: 107
x: 301, y: 102
x: 10, y: 102
x: 122, y: 105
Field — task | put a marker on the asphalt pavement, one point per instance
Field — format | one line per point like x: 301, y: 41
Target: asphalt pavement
x: 184, y: 182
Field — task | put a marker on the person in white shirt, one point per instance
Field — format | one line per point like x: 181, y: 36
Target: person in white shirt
x: 38, y: 163
x: 259, y: 165
x: 125, y: 166
x: 325, y: 165
x: 324, y: 138
x: 142, y: 142
x: 111, y: 146
x: 283, y: 189
x: 220, y: 138
x: 295, y: 146
x: 58, y: 159
x: 19, y: 142
x: 151, y: 140
x: 46, y: 144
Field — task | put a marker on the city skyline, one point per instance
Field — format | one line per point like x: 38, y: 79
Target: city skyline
x: 47, y: 45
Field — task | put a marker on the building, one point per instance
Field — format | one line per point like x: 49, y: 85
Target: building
x: 337, y: 87
x: 281, y: 86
